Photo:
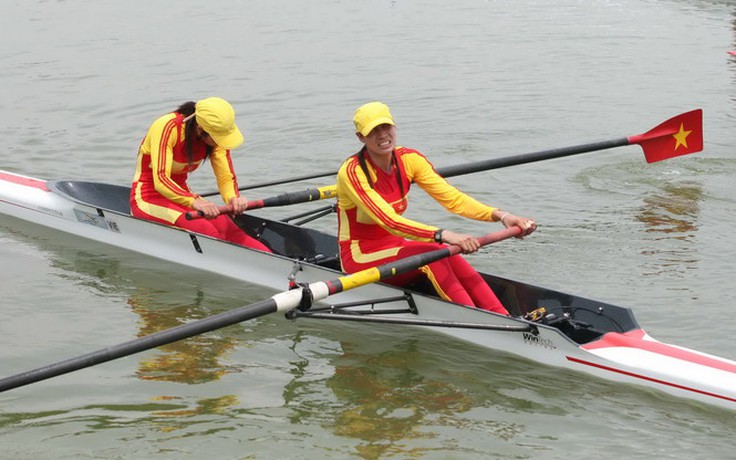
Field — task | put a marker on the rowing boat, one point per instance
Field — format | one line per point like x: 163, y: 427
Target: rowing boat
x: 546, y: 326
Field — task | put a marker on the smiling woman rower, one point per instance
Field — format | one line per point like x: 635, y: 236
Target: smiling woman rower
x: 372, y: 188
x: 176, y: 144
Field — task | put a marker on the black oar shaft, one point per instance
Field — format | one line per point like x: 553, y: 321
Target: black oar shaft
x: 283, y: 301
x: 495, y: 163
x: 448, y: 171
x: 143, y: 343
x: 279, y: 182
x: 485, y: 165
x: 287, y: 181
x: 667, y: 129
x: 292, y: 198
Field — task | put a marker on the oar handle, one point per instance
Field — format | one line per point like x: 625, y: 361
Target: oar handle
x: 192, y: 215
x: 500, y: 235
x: 407, y: 264
x: 491, y: 238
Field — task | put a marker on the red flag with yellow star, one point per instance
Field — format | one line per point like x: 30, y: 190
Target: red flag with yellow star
x: 680, y: 135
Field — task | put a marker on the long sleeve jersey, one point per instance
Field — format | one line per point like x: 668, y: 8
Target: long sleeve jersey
x: 163, y: 167
x: 372, y: 209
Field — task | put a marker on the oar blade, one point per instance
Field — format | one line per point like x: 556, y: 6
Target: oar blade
x: 680, y: 135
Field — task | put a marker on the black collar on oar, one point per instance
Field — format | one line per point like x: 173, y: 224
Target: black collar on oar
x: 680, y: 135
x: 302, y: 297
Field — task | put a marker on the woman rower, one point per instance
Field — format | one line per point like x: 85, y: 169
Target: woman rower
x: 176, y: 144
x: 372, y: 189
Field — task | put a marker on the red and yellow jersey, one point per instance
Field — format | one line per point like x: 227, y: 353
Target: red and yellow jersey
x: 374, y: 212
x: 163, y: 167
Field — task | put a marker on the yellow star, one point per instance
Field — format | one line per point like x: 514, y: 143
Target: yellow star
x: 681, y: 137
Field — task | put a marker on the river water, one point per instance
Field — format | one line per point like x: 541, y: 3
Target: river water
x: 81, y: 81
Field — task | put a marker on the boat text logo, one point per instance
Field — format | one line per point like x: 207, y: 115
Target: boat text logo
x: 53, y: 212
x: 95, y: 220
x: 532, y: 339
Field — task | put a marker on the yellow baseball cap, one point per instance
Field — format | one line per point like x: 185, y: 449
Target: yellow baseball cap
x: 217, y: 117
x: 370, y: 115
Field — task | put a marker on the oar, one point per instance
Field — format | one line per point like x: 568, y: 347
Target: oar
x: 680, y: 135
x: 312, y: 194
x: 281, y: 302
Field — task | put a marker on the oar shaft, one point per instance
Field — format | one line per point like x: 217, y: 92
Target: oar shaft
x: 407, y: 264
x: 681, y: 144
x: 449, y: 171
x: 287, y: 181
x: 283, y: 301
x: 495, y: 163
x: 458, y: 170
x: 312, y: 194
x: 143, y: 343
x: 279, y: 182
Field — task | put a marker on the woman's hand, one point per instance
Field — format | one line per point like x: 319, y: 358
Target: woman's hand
x: 207, y: 208
x: 526, y: 225
x: 467, y: 243
x: 239, y: 204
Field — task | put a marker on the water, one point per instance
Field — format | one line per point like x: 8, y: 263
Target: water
x: 466, y: 81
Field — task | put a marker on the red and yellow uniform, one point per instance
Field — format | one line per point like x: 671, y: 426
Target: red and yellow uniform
x: 372, y: 230
x: 160, y: 192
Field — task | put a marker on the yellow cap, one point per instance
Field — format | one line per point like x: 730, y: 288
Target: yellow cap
x: 370, y: 115
x: 217, y: 117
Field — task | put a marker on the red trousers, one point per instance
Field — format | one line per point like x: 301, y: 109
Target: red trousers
x: 222, y: 227
x: 453, y: 277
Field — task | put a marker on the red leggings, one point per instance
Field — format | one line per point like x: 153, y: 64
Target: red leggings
x: 221, y: 227
x: 453, y: 277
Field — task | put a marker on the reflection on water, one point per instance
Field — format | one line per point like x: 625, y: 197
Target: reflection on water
x: 670, y: 216
x: 672, y: 211
x: 191, y: 361
x: 162, y: 296
x: 171, y: 418
x: 194, y: 360
x: 378, y: 390
x: 392, y: 395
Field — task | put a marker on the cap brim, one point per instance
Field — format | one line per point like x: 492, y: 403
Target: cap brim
x: 378, y: 121
x: 228, y: 141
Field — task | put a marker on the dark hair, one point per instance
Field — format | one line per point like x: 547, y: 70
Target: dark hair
x: 190, y: 130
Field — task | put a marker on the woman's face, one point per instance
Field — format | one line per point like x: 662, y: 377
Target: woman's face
x: 206, y: 138
x: 381, y: 140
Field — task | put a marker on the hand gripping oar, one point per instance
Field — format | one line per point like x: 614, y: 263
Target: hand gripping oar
x: 302, y: 297
x: 680, y: 135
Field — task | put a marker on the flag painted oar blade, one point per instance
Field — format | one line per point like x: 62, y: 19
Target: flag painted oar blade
x: 680, y: 135
x: 281, y: 302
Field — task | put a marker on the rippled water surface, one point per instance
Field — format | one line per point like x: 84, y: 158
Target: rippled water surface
x: 81, y: 81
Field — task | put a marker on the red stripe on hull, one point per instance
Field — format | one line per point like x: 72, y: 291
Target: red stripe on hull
x: 635, y: 339
x: 25, y: 181
x: 650, y: 379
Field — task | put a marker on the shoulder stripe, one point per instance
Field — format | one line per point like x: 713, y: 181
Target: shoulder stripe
x: 163, y: 176
x: 376, y: 210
